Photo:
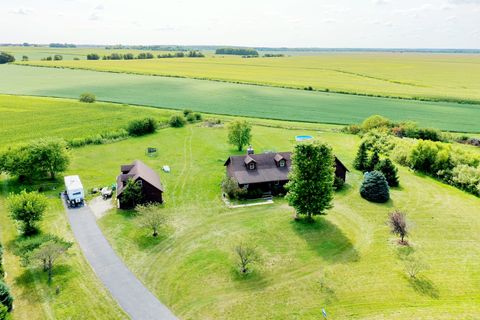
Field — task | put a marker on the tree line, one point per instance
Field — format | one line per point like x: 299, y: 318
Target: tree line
x: 145, y: 55
x: 237, y: 51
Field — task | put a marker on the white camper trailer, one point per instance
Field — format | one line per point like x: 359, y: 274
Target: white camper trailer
x: 74, y: 191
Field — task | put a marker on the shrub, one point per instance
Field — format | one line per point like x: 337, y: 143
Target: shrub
x: 198, y: 116
x: 177, y: 121
x: 390, y: 172
x: 142, y: 127
x: 6, y: 298
x: 353, y: 129
x: 186, y: 112
x: 375, y: 187
x: 3, y: 312
x: 2, y: 270
x: 6, y: 58
x: 231, y: 189
x: 93, y: 56
x: 467, y: 178
x: 57, y: 57
x: 191, y: 117
x: 375, y: 121
x: 87, y: 97
x: 338, y: 183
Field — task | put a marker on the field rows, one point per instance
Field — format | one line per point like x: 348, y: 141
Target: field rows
x: 233, y: 99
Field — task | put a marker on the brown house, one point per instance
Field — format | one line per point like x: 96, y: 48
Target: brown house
x: 267, y: 172
x: 152, y: 188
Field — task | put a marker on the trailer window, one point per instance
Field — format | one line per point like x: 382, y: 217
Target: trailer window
x: 77, y: 193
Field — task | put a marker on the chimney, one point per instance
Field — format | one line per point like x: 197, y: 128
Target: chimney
x: 250, y: 150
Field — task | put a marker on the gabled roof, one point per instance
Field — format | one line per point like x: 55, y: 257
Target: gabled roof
x: 137, y: 170
x: 266, y: 168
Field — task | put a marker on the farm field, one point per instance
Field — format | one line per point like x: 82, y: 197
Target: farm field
x: 446, y: 77
x: 233, y: 99
x: 347, y: 262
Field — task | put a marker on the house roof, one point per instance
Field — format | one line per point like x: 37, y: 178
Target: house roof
x: 266, y: 168
x: 137, y: 170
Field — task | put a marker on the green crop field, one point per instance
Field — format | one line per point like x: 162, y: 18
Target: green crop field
x: 233, y: 99
x: 445, y: 77
x: 346, y: 262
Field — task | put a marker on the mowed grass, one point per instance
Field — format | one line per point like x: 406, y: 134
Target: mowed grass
x: 450, y: 77
x: 81, y: 295
x: 346, y: 262
x: 233, y: 99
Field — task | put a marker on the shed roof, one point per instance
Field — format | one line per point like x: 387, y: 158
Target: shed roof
x: 137, y: 170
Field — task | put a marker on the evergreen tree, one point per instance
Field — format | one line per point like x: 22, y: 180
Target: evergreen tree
x: 390, y: 172
x: 310, y: 190
x: 375, y: 187
x: 374, y: 160
x: 361, y: 160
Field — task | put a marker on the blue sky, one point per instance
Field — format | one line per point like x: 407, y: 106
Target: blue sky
x: 300, y: 23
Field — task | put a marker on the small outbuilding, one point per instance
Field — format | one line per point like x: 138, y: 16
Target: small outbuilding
x: 146, y: 177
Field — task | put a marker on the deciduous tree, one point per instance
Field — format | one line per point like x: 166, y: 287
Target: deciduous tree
x: 239, y: 133
x: 246, y: 255
x: 150, y: 217
x: 28, y: 208
x: 49, y: 252
x: 310, y: 190
x: 398, y: 225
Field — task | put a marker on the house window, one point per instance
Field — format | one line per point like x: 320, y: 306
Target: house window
x: 277, y: 183
x: 251, y: 166
x: 139, y: 182
x: 282, y: 163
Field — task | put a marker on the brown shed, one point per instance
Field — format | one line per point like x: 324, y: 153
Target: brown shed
x: 152, y: 187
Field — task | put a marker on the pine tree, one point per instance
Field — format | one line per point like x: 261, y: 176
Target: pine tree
x: 390, y: 172
x: 374, y: 160
x: 361, y: 160
x: 375, y: 187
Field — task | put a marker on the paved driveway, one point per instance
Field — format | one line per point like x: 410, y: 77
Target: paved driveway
x: 137, y: 301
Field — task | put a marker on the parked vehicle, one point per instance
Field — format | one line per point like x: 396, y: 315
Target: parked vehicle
x: 74, y: 193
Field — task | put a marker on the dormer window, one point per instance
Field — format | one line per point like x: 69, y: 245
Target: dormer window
x: 282, y: 163
x: 251, y: 166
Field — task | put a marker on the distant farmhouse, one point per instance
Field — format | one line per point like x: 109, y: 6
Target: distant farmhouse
x: 152, y: 187
x: 267, y: 171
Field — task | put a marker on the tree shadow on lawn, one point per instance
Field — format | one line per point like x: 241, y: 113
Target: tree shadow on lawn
x: 424, y: 286
x: 31, y: 278
x: 254, y: 280
x: 326, y: 239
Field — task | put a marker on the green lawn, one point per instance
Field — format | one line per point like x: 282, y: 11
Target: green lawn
x: 412, y: 75
x: 233, y: 99
x: 346, y: 262
x: 81, y: 296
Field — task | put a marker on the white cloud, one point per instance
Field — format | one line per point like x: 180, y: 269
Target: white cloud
x: 381, y: 2
x: 99, y: 7
x: 461, y: 2
x: 94, y: 17
x: 22, y: 11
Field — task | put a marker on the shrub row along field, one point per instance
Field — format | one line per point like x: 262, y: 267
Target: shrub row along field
x: 233, y: 99
x: 422, y: 76
x: 304, y: 267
